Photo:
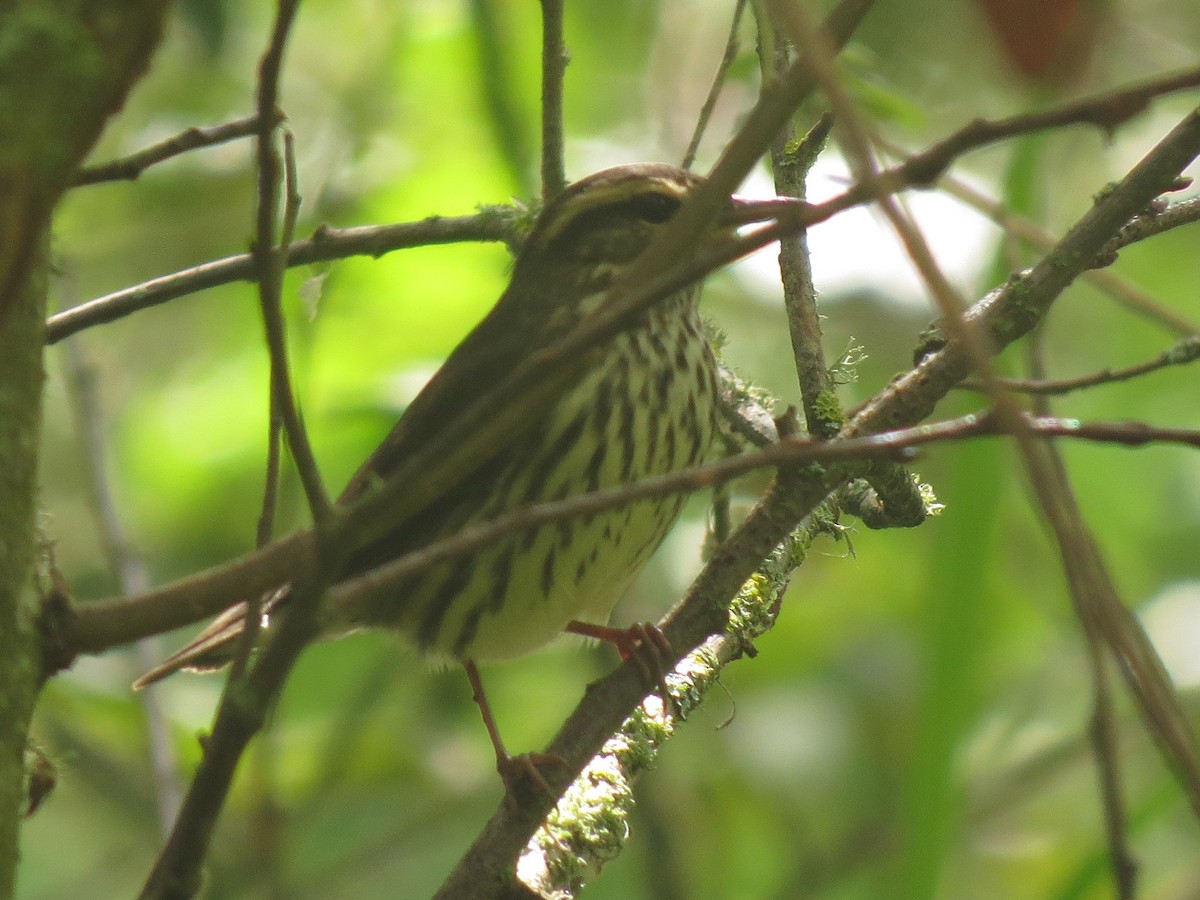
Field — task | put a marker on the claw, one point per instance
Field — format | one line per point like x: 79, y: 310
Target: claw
x: 645, y: 644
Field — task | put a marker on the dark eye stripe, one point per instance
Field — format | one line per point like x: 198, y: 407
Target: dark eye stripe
x: 649, y: 206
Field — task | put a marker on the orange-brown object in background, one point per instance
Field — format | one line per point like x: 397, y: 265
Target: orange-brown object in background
x: 1050, y: 41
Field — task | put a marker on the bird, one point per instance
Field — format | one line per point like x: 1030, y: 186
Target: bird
x: 645, y: 404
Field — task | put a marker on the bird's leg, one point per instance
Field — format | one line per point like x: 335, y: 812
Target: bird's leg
x: 515, y: 771
x: 644, y: 643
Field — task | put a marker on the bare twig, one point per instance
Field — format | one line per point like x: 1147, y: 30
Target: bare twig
x: 714, y: 92
x: 554, y: 67
x: 326, y: 244
x: 1103, y: 617
x: 270, y: 261
x: 266, y: 517
x: 1157, y: 220
x: 1184, y: 352
x: 1106, y: 110
x: 1030, y: 232
x: 790, y: 164
x: 129, y: 168
x: 100, y: 621
x: 126, y: 566
x: 1102, y: 734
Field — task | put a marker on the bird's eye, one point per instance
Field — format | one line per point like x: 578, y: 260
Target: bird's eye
x: 653, y: 207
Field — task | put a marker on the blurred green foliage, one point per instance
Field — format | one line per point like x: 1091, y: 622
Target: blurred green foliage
x: 914, y: 726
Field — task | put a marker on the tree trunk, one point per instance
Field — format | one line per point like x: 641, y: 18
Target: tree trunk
x: 64, y: 68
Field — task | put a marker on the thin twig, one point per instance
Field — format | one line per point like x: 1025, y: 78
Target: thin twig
x: 924, y: 168
x: 554, y: 67
x: 1030, y: 232
x: 270, y: 263
x: 1106, y: 110
x: 127, y: 568
x: 894, y: 499
x: 1102, y: 734
x: 822, y: 414
x: 291, y: 198
x: 1093, y: 596
x: 248, y: 640
x: 790, y: 165
x: 718, y: 84
x: 356, y: 596
x: 266, y: 517
x: 101, y: 620
x: 1184, y: 352
x: 1157, y: 219
x: 129, y: 168
x: 326, y: 245
x: 177, y: 871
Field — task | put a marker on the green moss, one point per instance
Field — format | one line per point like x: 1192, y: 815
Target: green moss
x: 829, y: 411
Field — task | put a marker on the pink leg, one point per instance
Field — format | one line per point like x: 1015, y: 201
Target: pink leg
x: 515, y: 771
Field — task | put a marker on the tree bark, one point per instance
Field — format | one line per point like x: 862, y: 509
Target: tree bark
x: 65, y: 67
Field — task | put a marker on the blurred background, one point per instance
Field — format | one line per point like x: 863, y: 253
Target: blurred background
x: 915, y: 726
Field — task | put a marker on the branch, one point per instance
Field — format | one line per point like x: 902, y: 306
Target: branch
x: 714, y: 92
x: 67, y: 67
x: 129, y: 168
x: 1107, y: 111
x: 126, y: 566
x: 1184, y: 352
x: 326, y: 244
x: 270, y: 263
x: 1118, y: 288
x: 790, y: 165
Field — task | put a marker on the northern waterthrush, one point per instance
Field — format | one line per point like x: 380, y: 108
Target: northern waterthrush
x: 645, y: 405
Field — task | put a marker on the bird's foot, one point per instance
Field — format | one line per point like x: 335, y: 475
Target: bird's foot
x: 646, y: 645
